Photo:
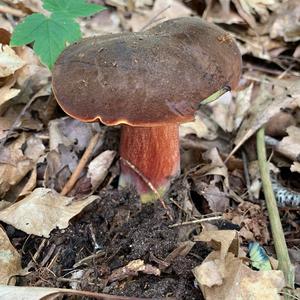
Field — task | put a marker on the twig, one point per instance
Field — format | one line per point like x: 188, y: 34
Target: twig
x: 154, y: 18
x: 195, y: 221
x: 246, y: 174
x: 12, y: 11
x: 82, y: 163
x: 276, y: 226
x: 149, y: 184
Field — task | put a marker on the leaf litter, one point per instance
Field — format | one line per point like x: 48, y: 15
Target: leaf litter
x: 121, y: 247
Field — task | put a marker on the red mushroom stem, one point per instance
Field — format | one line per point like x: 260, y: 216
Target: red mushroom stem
x: 154, y: 153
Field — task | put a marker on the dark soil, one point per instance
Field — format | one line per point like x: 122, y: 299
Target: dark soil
x: 119, y: 230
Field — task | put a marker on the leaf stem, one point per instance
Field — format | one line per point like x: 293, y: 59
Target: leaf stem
x: 276, y: 227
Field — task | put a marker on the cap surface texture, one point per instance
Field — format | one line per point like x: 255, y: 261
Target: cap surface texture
x: 148, y: 78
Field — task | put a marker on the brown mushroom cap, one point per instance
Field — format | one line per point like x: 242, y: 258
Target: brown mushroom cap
x: 149, y: 78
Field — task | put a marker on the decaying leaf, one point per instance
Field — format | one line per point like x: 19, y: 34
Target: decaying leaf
x: 42, y: 211
x: 98, y: 167
x: 286, y: 24
x: 132, y: 269
x: 265, y: 105
x: 223, y: 240
x: 10, y: 260
x: 7, y: 91
x: 14, y: 165
x: 43, y: 293
x: 231, y: 279
x: 224, y: 275
x: 290, y: 145
x: 9, y: 61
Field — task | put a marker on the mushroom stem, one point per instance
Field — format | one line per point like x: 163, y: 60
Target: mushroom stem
x: 154, y: 152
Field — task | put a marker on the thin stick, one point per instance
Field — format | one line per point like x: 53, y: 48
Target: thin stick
x: 276, y: 226
x: 195, y: 221
x: 11, y: 11
x: 154, y: 18
x: 246, y: 174
x: 82, y: 163
x: 149, y: 184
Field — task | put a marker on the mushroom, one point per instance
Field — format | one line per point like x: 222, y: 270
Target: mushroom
x: 149, y: 82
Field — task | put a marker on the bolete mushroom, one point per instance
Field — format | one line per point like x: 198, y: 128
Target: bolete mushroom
x: 149, y: 82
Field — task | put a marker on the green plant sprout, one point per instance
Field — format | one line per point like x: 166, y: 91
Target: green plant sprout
x: 50, y: 34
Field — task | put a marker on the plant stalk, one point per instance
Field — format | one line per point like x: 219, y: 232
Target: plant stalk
x: 276, y: 227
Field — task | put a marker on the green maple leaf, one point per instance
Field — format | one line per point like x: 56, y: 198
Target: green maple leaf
x: 49, y: 34
x: 72, y: 8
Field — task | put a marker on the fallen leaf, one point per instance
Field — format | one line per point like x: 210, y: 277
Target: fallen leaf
x: 286, y: 23
x: 14, y: 165
x: 9, y: 61
x: 290, y: 146
x: 162, y: 10
x: 43, y: 293
x: 231, y: 279
x: 98, y: 167
x: 265, y: 106
x: 42, y: 211
x: 223, y: 240
x: 7, y: 91
x: 10, y: 260
x: 223, y: 112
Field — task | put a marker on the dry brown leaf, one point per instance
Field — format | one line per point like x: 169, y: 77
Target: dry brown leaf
x: 216, y: 165
x: 290, y: 145
x: 197, y: 127
x: 38, y: 74
x: 10, y: 260
x: 43, y: 293
x: 42, y: 211
x: 287, y: 24
x: 98, y: 167
x: 230, y: 279
x: 223, y: 240
x: 9, y: 61
x: 221, y: 12
x: 162, y: 10
x: 70, y: 132
x: 264, y: 107
x: 218, y: 201
x: 14, y: 165
x: 7, y: 92
x: 30, y: 184
x: 223, y: 112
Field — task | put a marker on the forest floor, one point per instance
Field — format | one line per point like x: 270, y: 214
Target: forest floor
x: 102, y: 241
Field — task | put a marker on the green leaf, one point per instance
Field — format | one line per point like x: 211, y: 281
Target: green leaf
x: 72, y: 8
x: 49, y: 34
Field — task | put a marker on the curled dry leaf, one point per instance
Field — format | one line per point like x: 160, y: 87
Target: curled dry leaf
x: 14, y: 165
x: 7, y: 91
x: 9, y: 61
x: 98, y: 167
x: 10, y: 260
x: 42, y: 211
x: 197, y: 127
